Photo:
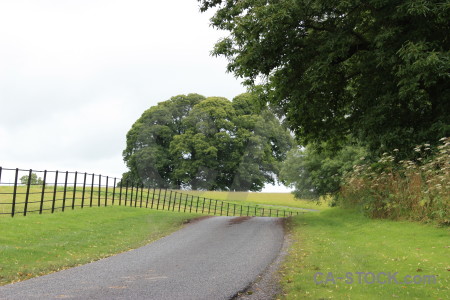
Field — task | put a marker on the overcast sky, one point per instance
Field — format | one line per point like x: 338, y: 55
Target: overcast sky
x: 76, y: 74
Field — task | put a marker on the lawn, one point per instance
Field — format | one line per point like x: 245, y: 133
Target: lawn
x: 275, y: 199
x: 333, y: 241
x: 235, y: 203
x: 342, y: 241
x: 39, y: 244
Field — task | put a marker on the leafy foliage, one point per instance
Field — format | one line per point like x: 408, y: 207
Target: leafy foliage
x: 375, y: 69
x: 316, y: 173
x: 407, y: 189
x: 35, y: 180
x: 203, y: 143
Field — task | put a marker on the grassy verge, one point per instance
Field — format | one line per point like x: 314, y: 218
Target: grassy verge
x: 276, y: 199
x: 341, y: 241
x: 40, y: 244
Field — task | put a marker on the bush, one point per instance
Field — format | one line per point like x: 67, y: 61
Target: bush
x: 316, y: 173
x: 416, y: 189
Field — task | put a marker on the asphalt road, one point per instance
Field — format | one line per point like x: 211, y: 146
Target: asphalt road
x: 214, y: 258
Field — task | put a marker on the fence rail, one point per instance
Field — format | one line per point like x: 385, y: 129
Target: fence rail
x: 52, y: 191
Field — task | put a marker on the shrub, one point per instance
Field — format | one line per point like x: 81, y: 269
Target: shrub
x: 417, y: 189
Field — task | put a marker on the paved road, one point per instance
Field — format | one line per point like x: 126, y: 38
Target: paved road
x: 214, y: 258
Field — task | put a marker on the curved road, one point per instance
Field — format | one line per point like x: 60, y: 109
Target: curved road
x: 214, y: 258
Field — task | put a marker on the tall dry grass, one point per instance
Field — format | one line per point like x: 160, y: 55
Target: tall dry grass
x: 416, y: 189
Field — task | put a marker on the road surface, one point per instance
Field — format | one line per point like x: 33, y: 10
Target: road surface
x: 214, y: 258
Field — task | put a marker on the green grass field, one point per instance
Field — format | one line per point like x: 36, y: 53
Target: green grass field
x: 332, y: 240
x: 39, y: 244
x: 341, y: 241
x: 60, y: 199
x: 275, y: 199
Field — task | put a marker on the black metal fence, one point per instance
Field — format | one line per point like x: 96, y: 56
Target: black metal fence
x: 31, y: 191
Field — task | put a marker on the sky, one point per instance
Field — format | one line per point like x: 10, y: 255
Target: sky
x: 76, y: 74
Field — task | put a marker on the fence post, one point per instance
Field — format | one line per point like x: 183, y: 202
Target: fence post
x: 28, y: 193
x: 221, y: 207
x: 114, y: 191
x: 142, y: 190
x: 92, y: 190
x: 136, y: 196
x: 74, y: 190
x: 203, y: 204
x: 170, y: 200
x: 234, y: 209
x: 148, y: 197
x: 132, y: 190
x: 179, y: 204
x: 65, y: 191
x: 164, y: 200
x: 43, y: 192
x: 159, y: 197
x: 192, y: 200
x: 175, y: 201
x: 84, y: 190
x: 209, y: 206
x: 106, y: 191
x: 126, y: 192
x: 198, y: 203
x: 185, y: 202
x: 99, y: 188
x: 228, y: 208
x: 120, y: 192
x: 215, y: 207
x: 153, y: 196
x: 54, y: 192
x: 13, y: 208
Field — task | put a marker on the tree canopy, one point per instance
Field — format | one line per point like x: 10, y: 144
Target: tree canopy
x: 34, y: 180
x: 374, y: 69
x: 203, y: 143
x: 316, y: 173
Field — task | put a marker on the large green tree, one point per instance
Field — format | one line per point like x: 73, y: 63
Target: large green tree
x: 375, y: 69
x: 315, y: 173
x: 203, y: 143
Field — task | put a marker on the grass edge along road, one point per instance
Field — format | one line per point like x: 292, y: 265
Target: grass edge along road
x: 341, y: 241
x: 40, y: 244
